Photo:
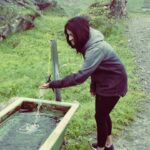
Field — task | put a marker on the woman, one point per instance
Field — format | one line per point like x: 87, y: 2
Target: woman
x: 108, y: 75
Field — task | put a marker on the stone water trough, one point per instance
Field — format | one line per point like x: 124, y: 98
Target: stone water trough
x: 34, y: 124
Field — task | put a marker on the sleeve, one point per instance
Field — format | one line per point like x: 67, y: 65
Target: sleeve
x: 93, y: 58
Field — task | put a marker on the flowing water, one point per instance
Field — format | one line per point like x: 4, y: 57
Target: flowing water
x: 20, y: 129
x: 41, y: 93
x: 28, y: 130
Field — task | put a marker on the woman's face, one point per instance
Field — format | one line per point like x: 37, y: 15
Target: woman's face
x: 70, y: 37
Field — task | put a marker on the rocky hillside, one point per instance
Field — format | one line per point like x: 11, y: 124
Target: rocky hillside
x: 19, y: 15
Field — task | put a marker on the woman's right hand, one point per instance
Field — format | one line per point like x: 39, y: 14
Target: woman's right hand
x: 44, y: 86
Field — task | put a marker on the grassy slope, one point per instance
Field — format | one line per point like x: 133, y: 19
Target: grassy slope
x: 24, y: 66
x: 135, y: 5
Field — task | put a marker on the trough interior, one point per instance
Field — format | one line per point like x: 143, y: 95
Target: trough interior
x: 28, y: 125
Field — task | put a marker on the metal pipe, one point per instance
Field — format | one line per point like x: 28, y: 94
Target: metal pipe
x: 54, y: 59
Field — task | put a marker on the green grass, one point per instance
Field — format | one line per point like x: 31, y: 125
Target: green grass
x: 25, y: 63
x: 136, y: 6
x: 75, y: 7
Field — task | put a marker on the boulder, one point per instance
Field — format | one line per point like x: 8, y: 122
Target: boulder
x: 11, y: 21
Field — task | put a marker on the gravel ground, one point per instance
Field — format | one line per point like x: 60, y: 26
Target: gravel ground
x: 137, y: 135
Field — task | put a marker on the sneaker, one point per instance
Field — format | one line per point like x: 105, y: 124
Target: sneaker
x: 109, y: 148
x: 94, y: 146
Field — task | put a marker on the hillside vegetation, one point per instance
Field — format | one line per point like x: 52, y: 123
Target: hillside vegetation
x: 25, y: 64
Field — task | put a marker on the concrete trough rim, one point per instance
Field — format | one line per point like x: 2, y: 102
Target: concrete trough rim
x: 61, y: 126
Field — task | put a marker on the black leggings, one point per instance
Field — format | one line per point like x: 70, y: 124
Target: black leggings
x: 103, y: 107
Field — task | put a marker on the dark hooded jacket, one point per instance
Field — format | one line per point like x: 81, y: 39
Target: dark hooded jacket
x: 108, y: 75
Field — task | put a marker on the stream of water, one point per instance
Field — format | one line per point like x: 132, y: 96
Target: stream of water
x: 17, y: 131
x: 20, y: 129
x: 29, y: 128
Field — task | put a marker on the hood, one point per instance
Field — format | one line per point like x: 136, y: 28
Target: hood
x: 95, y: 36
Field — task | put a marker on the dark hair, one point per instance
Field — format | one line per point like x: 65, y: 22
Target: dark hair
x: 79, y: 26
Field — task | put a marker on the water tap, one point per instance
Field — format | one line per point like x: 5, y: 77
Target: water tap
x: 48, y: 80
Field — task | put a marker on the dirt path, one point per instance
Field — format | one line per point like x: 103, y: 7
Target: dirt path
x: 137, y: 135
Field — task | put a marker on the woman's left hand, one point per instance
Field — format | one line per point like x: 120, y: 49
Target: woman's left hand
x: 92, y: 93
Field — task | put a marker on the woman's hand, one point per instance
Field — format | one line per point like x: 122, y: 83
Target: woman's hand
x: 93, y: 88
x: 44, y: 86
x: 92, y: 93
